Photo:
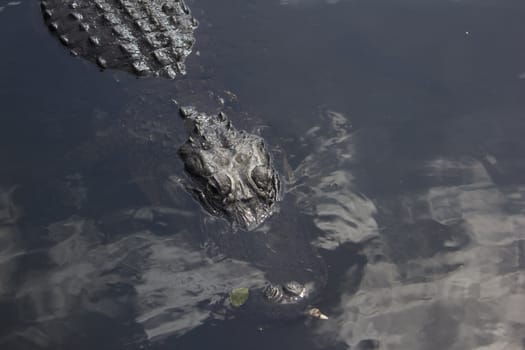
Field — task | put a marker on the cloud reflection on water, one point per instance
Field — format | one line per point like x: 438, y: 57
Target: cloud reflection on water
x: 446, y: 270
x: 464, y: 298
x: 164, y: 284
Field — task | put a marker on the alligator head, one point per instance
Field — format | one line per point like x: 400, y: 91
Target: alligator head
x: 231, y: 170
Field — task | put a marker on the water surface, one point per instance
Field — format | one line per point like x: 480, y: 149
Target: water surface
x: 397, y: 125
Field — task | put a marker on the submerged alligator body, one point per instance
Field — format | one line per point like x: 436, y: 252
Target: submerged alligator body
x: 144, y: 37
x: 231, y: 170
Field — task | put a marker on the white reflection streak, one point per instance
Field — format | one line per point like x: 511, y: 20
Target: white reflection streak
x: 10, y: 4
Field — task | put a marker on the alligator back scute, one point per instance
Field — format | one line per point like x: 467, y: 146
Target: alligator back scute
x: 145, y: 37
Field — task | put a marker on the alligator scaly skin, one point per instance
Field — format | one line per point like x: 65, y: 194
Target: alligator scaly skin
x: 231, y: 170
x: 144, y: 37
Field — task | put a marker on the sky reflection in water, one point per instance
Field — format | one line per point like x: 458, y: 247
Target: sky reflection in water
x: 398, y: 130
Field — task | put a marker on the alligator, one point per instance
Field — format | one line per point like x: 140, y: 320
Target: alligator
x: 230, y: 171
x: 146, y: 38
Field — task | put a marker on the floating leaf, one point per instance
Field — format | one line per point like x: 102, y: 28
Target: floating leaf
x: 239, y: 296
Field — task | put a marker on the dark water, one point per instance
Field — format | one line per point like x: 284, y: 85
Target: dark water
x: 399, y: 125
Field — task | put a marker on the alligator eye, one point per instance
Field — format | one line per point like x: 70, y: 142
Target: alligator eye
x: 220, y: 184
x: 194, y: 165
x: 261, y: 177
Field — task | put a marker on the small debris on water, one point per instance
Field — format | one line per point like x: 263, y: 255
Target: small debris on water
x: 316, y: 313
x: 14, y: 3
